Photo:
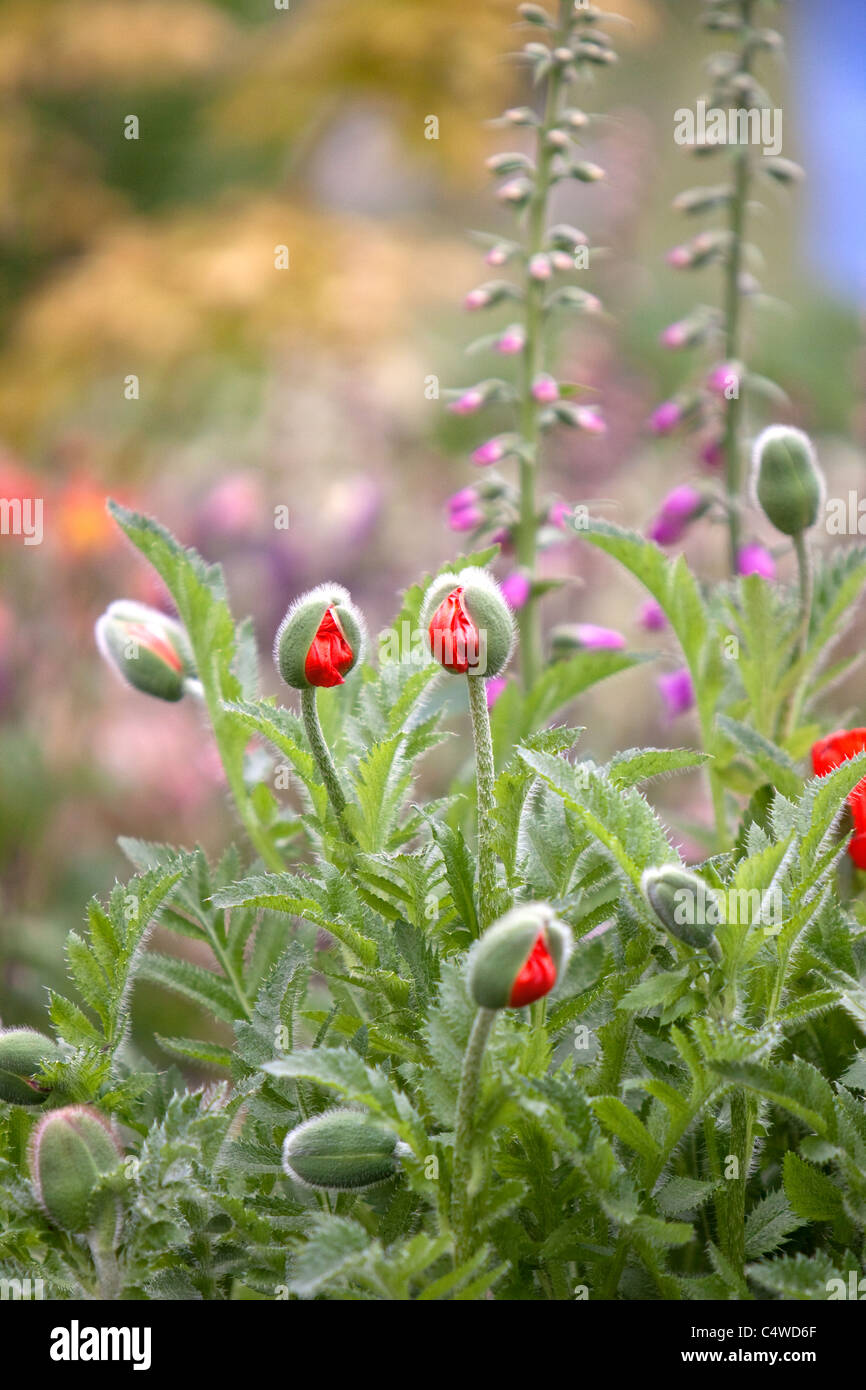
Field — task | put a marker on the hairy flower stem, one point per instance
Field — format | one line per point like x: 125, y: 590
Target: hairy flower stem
x: 489, y: 904
x: 322, y: 755
x: 732, y: 446
x: 732, y: 1213
x: 469, y: 1081
x: 527, y: 529
x: 806, y: 582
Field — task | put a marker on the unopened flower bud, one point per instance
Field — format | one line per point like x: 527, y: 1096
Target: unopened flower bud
x: 587, y: 172
x: 147, y: 648
x: 512, y: 341
x: 516, y: 589
x: 468, y: 623
x: 519, y: 959
x: 540, y: 267
x: 679, y: 509
x: 517, y: 192
x: 756, y: 559
x: 665, y: 417
x: 70, y: 1150
x: 340, y: 1151
x: 685, y: 905
x: 22, y: 1054
x: 545, y: 389
x: 677, y: 691
x: 491, y: 451
x: 787, y: 482
x: 320, y: 640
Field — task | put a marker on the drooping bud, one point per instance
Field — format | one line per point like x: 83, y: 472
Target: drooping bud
x: 545, y: 389
x: 512, y: 341
x: 756, y: 559
x: 22, y: 1054
x: 320, y: 640
x: 340, y: 1150
x: 677, y: 691
x: 70, y: 1150
x: 147, y: 648
x: 679, y: 509
x: 787, y: 481
x: 519, y: 959
x: 469, y: 624
x: 665, y: 417
x: 685, y: 904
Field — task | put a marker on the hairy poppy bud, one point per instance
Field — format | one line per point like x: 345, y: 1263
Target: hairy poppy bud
x: 469, y: 624
x: 22, y: 1053
x: 320, y: 640
x: 341, y: 1150
x: 519, y: 959
x: 149, y: 649
x: 70, y: 1150
x: 685, y: 905
x: 787, y: 482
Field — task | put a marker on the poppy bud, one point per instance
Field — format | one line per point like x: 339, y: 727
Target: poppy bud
x: 340, y: 1150
x: 519, y: 959
x: 149, y: 649
x: 685, y: 905
x: 469, y: 623
x: 787, y: 482
x: 70, y: 1150
x: 22, y: 1053
x: 320, y: 640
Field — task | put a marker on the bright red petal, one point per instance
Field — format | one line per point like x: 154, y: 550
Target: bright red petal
x: 330, y: 655
x: 536, y: 978
x: 454, y: 638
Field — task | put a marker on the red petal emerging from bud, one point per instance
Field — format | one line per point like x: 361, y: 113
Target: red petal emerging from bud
x: 152, y: 642
x: 831, y: 752
x: 536, y: 978
x: 330, y: 655
x: 454, y: 638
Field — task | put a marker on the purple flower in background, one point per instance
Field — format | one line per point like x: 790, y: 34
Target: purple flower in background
x: 756, y: 559
x: 680, y: 507
x: 676, y: 335
x: 722, y: 376
x: 476, y: 299
x: 539, y: 267
x: 665, y: 417
x: 677, y: 692
x: 493, y: 689
x: 712, y: 453
x: 679, y: 257
x: 515, y: 589
x: 651, y: 616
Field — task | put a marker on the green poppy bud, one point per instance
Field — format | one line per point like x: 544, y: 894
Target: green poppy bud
x: 340, y: 1150
x: 22, y: 1053
x: 685, y: 904
x: 786, y: 479
x: 320, y: 640
x: 469, y: 625
x: 147, y: 648
x: 70, y: 1150
x: 519, y: 959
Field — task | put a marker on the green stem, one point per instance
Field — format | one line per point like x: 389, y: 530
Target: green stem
x: 234, y: 771
x: 733, y: 321
x: 488, y: 880
x: 469, y: 1082
x: 732, y: 1232
x: 527, y: 528
x: 322, y: 755
x: 806, y: 583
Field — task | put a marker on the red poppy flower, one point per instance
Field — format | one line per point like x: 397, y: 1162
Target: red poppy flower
x: 454, y: 638
x: 536, y: 977
x: 330, y: 655
x: 831, y: 752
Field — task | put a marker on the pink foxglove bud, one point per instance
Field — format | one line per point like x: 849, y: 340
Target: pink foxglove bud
x: 722, y: 377
x: 476, y: 299
x: 589, y: 419
x: 651, y: 616
x: 712, y: 453
x: 569, y: 638
x: 516, y: 589
x: 587, y: 172
x: 512, y: 341
x: 681, y: 506
x: 544, y: 389
x: 491, y: 451
x: 676, y: 335
x: 468, y: 402
x: 540, y: 267
x: 680, y: 257
x: 493, y: 689
x: 665, y: 417
x: 560, y: 515
x: 516, y: 192
x: 677, y: 692
x: 756, y: 559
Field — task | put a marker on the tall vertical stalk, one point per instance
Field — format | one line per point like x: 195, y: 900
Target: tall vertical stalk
x: 468, y: 1094
x: 488, y: 889
x: 732, y: 444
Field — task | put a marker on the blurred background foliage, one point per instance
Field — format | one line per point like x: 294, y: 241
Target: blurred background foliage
x: 306, y: 127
